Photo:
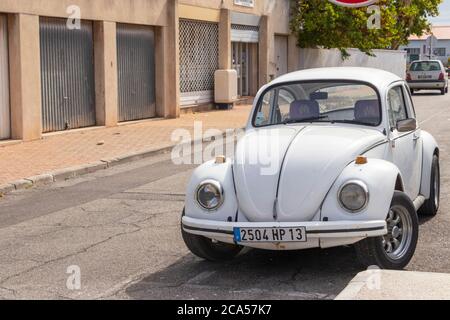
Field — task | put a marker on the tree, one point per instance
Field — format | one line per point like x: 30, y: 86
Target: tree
x: 320, y: 23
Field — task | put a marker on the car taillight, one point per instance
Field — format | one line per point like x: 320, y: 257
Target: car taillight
x: 441, y: 76
x: 408, y: 77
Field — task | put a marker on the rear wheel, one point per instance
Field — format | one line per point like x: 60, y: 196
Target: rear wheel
x: 446, y: 90
x: 412, y: 92
x: 443, y: 92
x: 431, y: 206
x: 395, y: 250
x: 208, y: 249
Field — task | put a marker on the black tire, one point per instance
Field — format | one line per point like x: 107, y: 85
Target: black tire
x: 443, y: 92
x: 208, y: 250
x: 431, y: 207
x: 446, y: 90
x: 372, y: 252
x: 412, y: 92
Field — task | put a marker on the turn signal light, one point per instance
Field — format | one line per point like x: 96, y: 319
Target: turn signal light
x: 361, y: 160
x: 221, y: 160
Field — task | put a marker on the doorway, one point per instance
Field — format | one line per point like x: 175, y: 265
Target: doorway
x: 281, y: 53
x: 241, y: 61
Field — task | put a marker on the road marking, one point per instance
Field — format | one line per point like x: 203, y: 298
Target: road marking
x: 433, y: 116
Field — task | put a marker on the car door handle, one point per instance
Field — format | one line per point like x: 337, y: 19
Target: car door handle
x: 416, y: 136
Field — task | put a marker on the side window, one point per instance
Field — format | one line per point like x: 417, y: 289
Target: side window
x: 396, y: 106
x: 263, y: 114
x: 410, y: 103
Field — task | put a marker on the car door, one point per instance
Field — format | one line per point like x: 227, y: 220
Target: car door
x: 405, y: 147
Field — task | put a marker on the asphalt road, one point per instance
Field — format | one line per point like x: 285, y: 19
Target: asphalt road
x: 119, y: 230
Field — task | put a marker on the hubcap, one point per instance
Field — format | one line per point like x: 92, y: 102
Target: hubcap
x: 398, y: 240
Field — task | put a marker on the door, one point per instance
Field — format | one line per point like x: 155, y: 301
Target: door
x: 136, y: 72
x: 5, y: 116
x: 281, y: 54
x: 406, y: 147
x: 67, y: 75
x: 240, y: 62
x: 199, y: 60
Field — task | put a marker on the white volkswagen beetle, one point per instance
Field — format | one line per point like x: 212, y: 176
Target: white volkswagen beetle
x: 330, y: 157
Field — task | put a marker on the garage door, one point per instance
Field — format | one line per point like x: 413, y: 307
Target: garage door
x: 67, y: 71
x: 136, y: 69
x: 5, y: 127
x: 199, y: 59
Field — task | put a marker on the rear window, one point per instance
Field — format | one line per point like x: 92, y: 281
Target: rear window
x: 426, y: 66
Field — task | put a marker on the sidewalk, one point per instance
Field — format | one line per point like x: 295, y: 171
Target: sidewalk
x: 397, y: 285
x: 81, y: 147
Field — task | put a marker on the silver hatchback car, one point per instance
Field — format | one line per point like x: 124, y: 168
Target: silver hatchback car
x: 428, y: 75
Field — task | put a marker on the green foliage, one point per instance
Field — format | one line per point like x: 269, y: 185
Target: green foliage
x: 320, y: 23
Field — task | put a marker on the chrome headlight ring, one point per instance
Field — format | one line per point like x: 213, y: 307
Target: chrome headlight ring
x: 210, y: 195
x: 354, y: 196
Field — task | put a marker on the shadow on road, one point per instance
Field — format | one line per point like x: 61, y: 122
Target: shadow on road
x: 310, y: 274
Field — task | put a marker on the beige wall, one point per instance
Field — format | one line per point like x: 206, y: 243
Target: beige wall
x: 25, y: 55
x: 275, y: 8
x: 149, y: 12
x: 106, y: 77
x: 275, y: 20
x: 162, y: 14
x: 25, y: 77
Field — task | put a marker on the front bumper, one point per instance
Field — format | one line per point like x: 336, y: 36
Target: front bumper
x: 319, y: 234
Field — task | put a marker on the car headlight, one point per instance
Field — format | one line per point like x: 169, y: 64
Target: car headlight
x: 354, y: 196
x: 210, y: 195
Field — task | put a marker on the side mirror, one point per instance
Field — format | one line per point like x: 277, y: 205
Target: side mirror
x: 407, y: 125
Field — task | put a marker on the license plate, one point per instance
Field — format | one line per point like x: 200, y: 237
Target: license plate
x: 425, y: 77
x: 243, y: 235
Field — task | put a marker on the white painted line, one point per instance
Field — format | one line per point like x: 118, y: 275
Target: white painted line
x: 433, y: 116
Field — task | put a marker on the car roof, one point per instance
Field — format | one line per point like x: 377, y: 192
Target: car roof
x: 377, y: 77
x: 416, y: 61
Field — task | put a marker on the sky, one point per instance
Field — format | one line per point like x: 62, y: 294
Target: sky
x: 444, y: 17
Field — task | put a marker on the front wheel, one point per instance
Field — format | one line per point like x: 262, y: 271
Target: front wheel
x: 395, y: 250
x: 208, y: 249
x: 443, y: 91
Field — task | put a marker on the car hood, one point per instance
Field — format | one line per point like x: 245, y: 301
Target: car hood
x: 284, y: 174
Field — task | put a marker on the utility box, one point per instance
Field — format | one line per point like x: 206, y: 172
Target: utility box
x: 225, y: 87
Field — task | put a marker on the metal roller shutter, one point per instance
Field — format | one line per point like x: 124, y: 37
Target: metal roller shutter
x: 199, y: 59
x: 243, y: 33
x: 5, y: 116
x: 136, y: 69
x: 67, y: 72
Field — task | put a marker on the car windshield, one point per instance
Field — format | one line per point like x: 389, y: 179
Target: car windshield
x: 334, y: 102
x: 424, y: 66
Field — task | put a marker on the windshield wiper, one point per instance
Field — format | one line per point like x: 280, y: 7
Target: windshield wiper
x: 351, y: 122
x: 312, y: 119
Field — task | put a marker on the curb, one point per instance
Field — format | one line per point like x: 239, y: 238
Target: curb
x: 379, y: 284
x: 81, y: 170
x: 355, y: 286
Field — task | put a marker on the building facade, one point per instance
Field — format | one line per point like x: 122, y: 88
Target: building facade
x: 67, y: 64
x: 423, y: 48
